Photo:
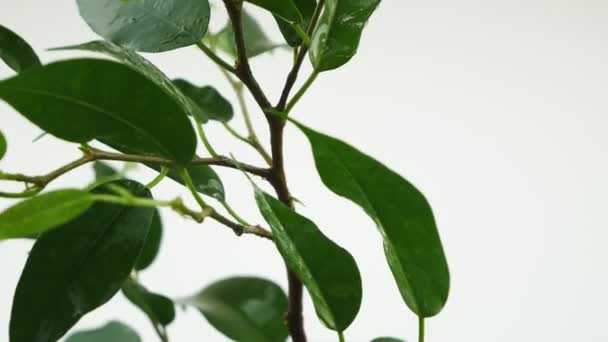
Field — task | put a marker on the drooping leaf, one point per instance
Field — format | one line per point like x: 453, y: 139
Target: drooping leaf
x: 78, y: 267
x: 2, y: 146
x: 205, y: 179
x: 212, y: 105
x: 147, y: 25
x: 158, y: 308
x: 142, y: 65
x: 44, y: 212
x: 244, y: 309
x: 387, y: 339
x: 256, y: 41
x: 403, y: 215
x: 336, y: 38
x: 327, y: 270
x: 286, y: 9
x: 307, y: 9
x: 103, y: 170
x: 102, y: 100
x: 15, y: 51
x: 152, y: 245
x: 111, y: 332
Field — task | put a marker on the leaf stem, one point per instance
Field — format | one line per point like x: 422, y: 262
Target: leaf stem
x: 302, y: 34
x: 341, y: 336
x: 420, y: 329
x: 311, y: 79
x: 234, y: 214
x: 163, y: 173
x: 214, y: 57
x: 203, y: 136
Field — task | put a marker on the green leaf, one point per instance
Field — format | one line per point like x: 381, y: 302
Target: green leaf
x: 78, y: 267
x: 244, y: 309
x: 102, y: 100
x: 387, y: 339
x: 336, y: 38
x: 44, y: 212
x: 2, y: 146
x: 112, y: 331
x: 152, y: 245
x: 158, y: 308
x: 404, y: 217
x: 286, y: 9
x: 103, y: 170
x: 212, y: 105
x: 256, y: 41
x: 142, y: 65
x: 307, y: 9
x: 327, y: 270
x: 15, y: 51
x: 147, y: 25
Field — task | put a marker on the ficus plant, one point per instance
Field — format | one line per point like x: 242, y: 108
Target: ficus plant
x: 92, y: 242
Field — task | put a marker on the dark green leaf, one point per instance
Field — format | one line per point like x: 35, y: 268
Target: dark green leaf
x: 256, y: 41
x: 44, y: 212
x: 404, y: 217
x: 212, y: 105
x: 147, y: 25
x: 102, y: 100
x: 152, y: 245
x: 111, y: 332
x: 139, y: 63
x: 103, y: 170
x: 205, y: 180
x: 336, y: 38
x: 327, y: 270
x: 244, y: 309
x: 2, y: 146
x: 387, y: 339
x: 307, y: 8
x: 286, y: 9
x: 15, y: 51
x: 78, y: 267
x: 158, y: 308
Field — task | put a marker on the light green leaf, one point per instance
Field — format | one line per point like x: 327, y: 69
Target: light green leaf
x: 2, y: 146
x: 102, y: 100
x: 41, y: 213
x: 336, y: 38
x: 78, y: 267
x: 286, y: 9
x: 152, y: 245
x: 158, y: 308
x: 244, y: 309
x: 403, y: 215
x: 327, y: 270
x: 307, y: 9
x: 142, y: 65
x: 15, y: 51
x: 111, y: 332
x: 256, y: 41
x: 147, y: 25
x: 211, y: 104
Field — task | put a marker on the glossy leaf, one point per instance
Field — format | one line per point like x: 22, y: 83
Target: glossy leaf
x: 245, y: 309
x: 142, y: 65
x: 403, y: 215
x: 256, y: 41
x: 147, y: 25
x: 103, y: 170
x: 336, y: 38
x: 78, y: 267
x: 111, y: 332
x: 15, y: 51
x: 102, y: 100
x: 327, y: 270
x: 44, y: 212
x: 2, y: 146
x: 211, y: 104
x: 158, y: 308
x: 205, y: 179
x: 152, y: 245
x: 387, y: 339
x: 286, y: 9
x: 307, y: 9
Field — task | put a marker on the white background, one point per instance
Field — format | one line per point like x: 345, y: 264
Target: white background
x: 496, y: 110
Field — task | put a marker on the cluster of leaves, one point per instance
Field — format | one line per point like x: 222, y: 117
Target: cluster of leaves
x: 91, y: 242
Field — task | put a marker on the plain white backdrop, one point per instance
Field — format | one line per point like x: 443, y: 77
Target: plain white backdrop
x: 496, y: 110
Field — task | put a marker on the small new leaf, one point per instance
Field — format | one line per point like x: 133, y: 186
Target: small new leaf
x: 158, y: 308
x: 256, y: 41
x: 15, y: 51
x: 211, y: 104
x: 44, y: 212
x: 148, y: 25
